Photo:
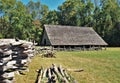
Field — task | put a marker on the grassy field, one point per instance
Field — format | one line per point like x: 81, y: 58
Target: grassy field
x: 99, y: 66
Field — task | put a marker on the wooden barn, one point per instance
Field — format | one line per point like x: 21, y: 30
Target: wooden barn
x: 71, y: 37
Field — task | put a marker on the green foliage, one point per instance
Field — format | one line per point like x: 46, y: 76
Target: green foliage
x: 17, y: 19
x: 52, y: 17
x: 38, y: 12
x: 76, y: 12
x: 67, y: 13
x: 106, y: 17
x: 0, y: 35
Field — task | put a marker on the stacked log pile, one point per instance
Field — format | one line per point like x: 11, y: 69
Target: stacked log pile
x: 54, y: 74
x: 14, y: 56
x: 48, y: 54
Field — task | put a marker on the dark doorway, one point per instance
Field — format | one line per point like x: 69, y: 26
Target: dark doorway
x: 44, y: 41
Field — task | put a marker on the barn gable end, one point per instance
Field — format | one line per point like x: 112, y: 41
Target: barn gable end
x: 45, y: 40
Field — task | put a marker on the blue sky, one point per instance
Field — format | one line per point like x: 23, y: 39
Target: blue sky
x: 52, y: 4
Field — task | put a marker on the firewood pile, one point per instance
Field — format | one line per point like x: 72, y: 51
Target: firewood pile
x: 48, y: 54
x: 54, y: 74
x: 15, y: 56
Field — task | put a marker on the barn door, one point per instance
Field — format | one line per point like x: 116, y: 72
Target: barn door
x: 44, y: 41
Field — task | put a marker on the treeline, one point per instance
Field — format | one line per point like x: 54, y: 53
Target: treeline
x: 26, y: 21
x: 21, y: 21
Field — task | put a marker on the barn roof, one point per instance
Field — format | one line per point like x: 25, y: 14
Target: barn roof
x: 73, y: 35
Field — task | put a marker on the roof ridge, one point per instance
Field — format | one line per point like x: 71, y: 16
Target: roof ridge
x: 65, y: 26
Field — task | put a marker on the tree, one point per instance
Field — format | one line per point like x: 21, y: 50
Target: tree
x: 16, y: 22
x: 52, y: 18
x: 38, y: 12
x: 76, y: 12
x: 106, y: 16
x: 67, y: 13
x: 85, y: 13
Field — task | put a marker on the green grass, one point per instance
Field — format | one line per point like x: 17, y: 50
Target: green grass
x: 99, y: 66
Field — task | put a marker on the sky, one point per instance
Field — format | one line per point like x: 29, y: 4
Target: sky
x: 52, y: 4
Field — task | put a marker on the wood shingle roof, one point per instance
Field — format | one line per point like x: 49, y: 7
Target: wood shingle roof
x: 73, y: 35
